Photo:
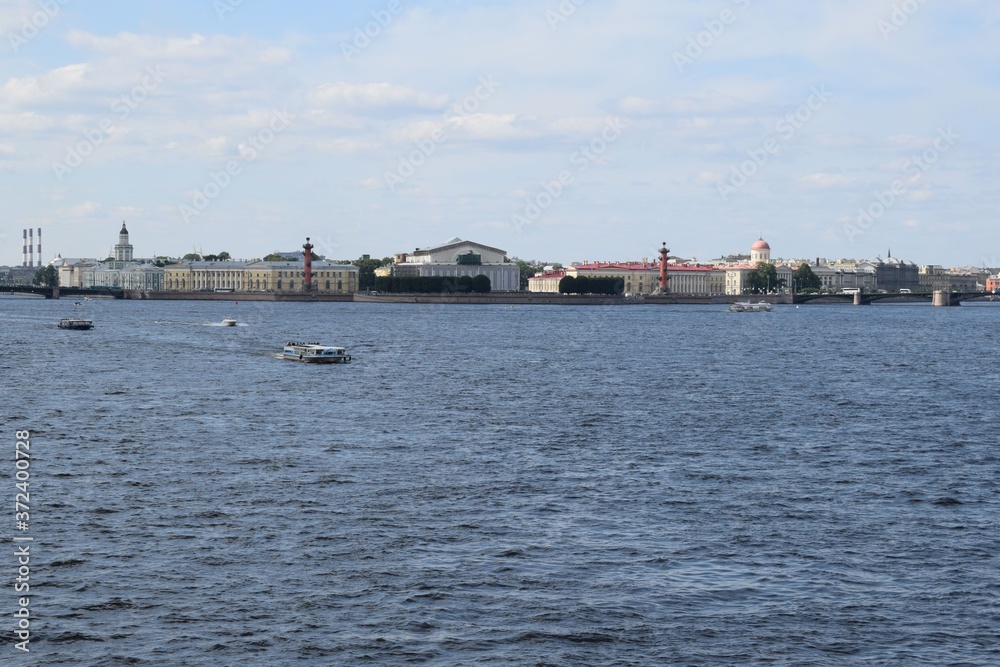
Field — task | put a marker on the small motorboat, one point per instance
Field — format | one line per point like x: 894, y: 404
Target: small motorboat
x: 228, y: 322
x: 75, y: 323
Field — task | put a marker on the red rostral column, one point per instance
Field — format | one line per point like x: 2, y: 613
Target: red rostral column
x: 663, y: 268
x: 307, y: 283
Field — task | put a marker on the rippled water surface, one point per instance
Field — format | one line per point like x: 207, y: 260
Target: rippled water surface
x: 485, y: 485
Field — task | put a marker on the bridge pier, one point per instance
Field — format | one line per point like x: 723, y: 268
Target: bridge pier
x: 857, y: 299
x: 942, y: 298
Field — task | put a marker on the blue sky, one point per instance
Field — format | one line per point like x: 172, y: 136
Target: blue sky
x: 562, y: 130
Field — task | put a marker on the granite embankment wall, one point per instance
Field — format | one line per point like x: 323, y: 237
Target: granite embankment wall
x: 513, y: 298
x: 233, y: 296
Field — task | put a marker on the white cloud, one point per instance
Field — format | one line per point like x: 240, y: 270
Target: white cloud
x: 375, y: 97
x: 710, y: 177
x: 55, y: 85
x: 698, y: 104
x: 347, y: 146
x: 87, y: 209
x: 195, y: 48
x: 826, y: 181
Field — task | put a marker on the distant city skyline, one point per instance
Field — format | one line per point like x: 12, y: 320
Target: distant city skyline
x: 561, y: 131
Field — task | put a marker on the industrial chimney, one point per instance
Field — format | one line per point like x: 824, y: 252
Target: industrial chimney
x: 39, y: 246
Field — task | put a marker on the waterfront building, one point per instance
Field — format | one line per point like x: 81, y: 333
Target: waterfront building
x: 935, y: 277
x: 893, y: 274
x: 638, y: 277
x: 121, y: 270
x: 145, y: 277
x: 737, y: 270
x: 71, y: 270
x: 131, y: 276
x: 836, y: 277
x: 736, y: 279
x: 260, y: 276
x: 17, y: 275
x: 546, y: 281
x: 287, y: 277
x: 204, y: 276
x: 456, y: 258
x: 993, y: 284
x: 644, y: 277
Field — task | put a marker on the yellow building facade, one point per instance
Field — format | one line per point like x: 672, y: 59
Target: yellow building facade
x: 644, y: 277
x: 276, y: 277
x: 639, y: 277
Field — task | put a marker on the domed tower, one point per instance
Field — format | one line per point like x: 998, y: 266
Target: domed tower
x: 760, y: 251
x: 123, y: 251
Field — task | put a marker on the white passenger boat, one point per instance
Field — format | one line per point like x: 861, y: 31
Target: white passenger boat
x: 315, y: 353
x: 75, y: 323
x: 228, y: 322
x: 747, y: 307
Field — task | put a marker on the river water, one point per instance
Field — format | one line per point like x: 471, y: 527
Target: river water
x: 637, y: 485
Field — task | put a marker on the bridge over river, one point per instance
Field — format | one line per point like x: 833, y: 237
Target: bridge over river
x: 57, y: 292
x: 938, y: 298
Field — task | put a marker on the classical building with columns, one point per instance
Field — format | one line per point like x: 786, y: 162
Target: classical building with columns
x: 457, y: 258
x: 260, y: 276
x: 641, y: 277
